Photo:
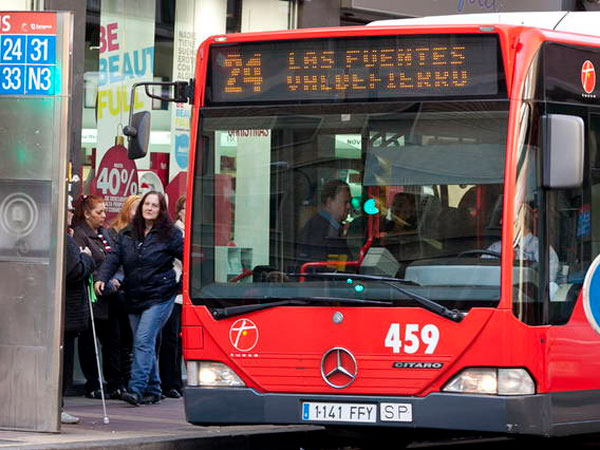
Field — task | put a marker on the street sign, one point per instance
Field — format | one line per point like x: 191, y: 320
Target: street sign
x: 28, y: 54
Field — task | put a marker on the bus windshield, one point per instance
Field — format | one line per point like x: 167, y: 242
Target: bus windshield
x: 411, y: 191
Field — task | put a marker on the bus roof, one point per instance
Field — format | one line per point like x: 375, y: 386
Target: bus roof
x: 573, y: 22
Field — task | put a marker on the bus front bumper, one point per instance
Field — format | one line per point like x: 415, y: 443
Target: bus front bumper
x: 496, y: 414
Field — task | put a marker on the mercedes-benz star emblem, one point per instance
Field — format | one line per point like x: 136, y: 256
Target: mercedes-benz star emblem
x: 338, y: 368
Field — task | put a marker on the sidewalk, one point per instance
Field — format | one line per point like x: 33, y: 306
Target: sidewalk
x: 161, y: 426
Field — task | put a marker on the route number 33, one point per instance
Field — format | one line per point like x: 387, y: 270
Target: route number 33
x: 414, y: 336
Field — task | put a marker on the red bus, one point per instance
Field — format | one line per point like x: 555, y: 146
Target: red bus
x: 449, y: 293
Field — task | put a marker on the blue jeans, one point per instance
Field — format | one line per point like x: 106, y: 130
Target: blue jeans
x: 146, y: 326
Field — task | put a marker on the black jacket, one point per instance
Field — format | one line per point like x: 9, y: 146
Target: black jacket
x: 79, y: 268
x: 318, y: 239
x: 148, y: 267
x: 86, y: 237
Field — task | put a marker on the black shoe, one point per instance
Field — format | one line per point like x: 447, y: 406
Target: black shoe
x: 132, y: 398
x: 173, y: 393
x: 97, y: 394
x: 150, y: 399
x: 117, y: 394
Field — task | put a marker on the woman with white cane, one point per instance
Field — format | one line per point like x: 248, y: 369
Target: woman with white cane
x: 90, y: 231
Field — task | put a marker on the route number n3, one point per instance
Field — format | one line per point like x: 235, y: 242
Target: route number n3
x: 413, y: 338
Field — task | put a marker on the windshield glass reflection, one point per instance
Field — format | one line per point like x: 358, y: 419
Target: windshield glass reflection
x: 413, y: 194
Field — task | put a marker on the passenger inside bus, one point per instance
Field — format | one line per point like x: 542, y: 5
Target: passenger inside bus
x: 323, y: 235
x: 403, y: 214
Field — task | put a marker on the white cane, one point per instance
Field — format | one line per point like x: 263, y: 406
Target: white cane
x: 106, y: 421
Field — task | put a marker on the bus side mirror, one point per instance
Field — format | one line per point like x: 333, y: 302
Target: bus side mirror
x: 138, y: 133
x: 563, y: 144
x: 138, y: 130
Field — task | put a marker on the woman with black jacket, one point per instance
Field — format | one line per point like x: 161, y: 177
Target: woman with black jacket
x: 89, y: 231
x: 146, y: 250
x: 79, y: 267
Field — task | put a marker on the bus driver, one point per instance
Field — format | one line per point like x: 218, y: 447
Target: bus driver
x: 323, y: 234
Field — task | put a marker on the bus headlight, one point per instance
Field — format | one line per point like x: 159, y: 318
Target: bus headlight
x: 492, y: 381
x: 209, y: 373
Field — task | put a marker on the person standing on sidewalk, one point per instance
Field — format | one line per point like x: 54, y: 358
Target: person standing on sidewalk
x: 146, y: 249
x: 88, y: 222
x: 79, y: 267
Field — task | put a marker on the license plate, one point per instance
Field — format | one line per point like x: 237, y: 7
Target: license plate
x: 395, y: 412
x: 339, y: 412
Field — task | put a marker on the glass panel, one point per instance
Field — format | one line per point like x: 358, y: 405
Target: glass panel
x: 552, y: 230
x: 27, y: 151
x: 379, y: 193
x: 573, y: 229
x: 569, y: 232
x: 527, y: 278
x: 594, y: 142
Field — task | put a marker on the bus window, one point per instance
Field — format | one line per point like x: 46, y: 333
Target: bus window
x: 552, y: 234
x: 594, y: 148
x: 530, y: 289
x: 568, y: 229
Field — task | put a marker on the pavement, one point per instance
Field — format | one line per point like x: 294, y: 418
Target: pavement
x: 148, y: 427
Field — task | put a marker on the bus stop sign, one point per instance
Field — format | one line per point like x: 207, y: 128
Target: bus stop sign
x: 28, y: 54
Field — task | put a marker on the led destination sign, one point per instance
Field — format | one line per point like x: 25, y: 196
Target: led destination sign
x: 354, y: 69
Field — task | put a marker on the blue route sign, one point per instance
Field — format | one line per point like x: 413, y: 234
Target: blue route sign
x: 28, y: 57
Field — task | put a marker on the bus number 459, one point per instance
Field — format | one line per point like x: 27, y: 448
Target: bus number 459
x: 413, y: 338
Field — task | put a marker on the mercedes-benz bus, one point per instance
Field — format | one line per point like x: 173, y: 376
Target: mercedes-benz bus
x: 473, y: 308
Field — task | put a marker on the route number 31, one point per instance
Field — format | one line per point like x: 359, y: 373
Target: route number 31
x: 413, y: 338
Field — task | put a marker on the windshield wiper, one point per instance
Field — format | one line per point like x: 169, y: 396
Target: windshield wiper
x: 230, y: 311
x: 430, y: 305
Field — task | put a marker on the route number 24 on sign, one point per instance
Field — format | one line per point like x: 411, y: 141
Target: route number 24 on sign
x: 409, y: 338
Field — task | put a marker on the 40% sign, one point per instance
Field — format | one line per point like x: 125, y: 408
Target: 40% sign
x: 117, y: 181
x: 117, y: 175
